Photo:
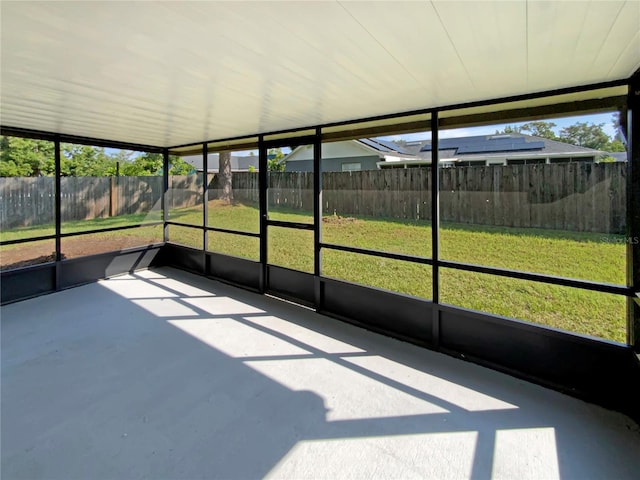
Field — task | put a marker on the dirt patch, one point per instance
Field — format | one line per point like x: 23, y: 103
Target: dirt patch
x: 26, y: 262
x: 26, y: 254
x: 338, y: 220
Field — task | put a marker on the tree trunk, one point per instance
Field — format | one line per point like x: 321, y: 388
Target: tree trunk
x: 226, y: 194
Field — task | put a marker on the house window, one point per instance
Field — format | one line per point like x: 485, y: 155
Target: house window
x: 351, y: 167
x: 471, y: 163
x: 525, y: 161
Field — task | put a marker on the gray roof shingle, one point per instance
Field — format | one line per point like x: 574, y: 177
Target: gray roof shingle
x: 505, y: 144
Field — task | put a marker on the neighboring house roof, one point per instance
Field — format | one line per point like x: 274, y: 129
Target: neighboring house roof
x: 383, y: 149
x: 501, y: 145
x: 384, y: 146
x: 238, y: 163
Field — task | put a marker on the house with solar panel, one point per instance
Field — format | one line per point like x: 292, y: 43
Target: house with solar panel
x: 349, y: 156
x: 479, y: 150
x: 499, y: 149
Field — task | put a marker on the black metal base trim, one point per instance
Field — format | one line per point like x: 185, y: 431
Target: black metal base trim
x: 83, y: 270
x: 291, y: 285
x: 598, y: 371
x: 524, y: 325
x: 182, y: 257
x: 36, y: 280
x: 380, y: 331
x: 237, y: 271
x: 394, y: 314
x: 27, y: 282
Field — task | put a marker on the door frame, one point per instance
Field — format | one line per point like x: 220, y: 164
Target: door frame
x: 309, y: 292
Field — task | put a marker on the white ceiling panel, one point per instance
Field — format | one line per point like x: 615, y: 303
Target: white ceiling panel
x: 171, y: 73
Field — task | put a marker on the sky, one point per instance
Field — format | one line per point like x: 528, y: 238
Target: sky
x: 561, y: 123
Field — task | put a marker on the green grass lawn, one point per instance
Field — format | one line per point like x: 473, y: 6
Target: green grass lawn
x: 80, y: 225
x: 571, y: 254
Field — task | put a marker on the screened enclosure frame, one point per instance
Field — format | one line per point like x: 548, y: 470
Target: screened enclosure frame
x: 432, y: 323
x: 621, y: 102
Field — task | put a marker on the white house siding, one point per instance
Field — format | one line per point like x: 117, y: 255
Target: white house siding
x: 348, y: 148
x: 333, y: 164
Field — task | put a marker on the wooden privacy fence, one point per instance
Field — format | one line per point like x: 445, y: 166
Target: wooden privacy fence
x: 582, y: 197
x: 26, y: 201
x: 585, y: 197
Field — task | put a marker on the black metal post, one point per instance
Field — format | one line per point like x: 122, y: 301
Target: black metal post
x: 58, y: 208
x: 317, y: 218
x: 205, y: 207
x: 165, y: 194
x: 633, y: 210
x: 435, y: 228
x: 263, y: 185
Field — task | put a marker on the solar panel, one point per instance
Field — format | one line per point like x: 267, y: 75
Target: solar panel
x: 390, y: 145
x: 501, y: 147
x: 375, y: 145
x: 484, y: 144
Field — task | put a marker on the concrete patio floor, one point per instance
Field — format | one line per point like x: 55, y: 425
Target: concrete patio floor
x: 167, y: 375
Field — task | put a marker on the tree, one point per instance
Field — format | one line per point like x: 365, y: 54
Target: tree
x: 275, y: 160
x: 540, y: 129
x: 145, y: 164
x: 85, y: 161
x: 177, y: 166
x: 509, y: 129
x: 615, y: 146
x: 225, y: 177
x: 537, y: 129
x: 589, y: 135
x: 150, y: 164
x: 25, y: 157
